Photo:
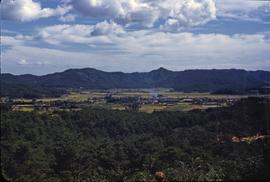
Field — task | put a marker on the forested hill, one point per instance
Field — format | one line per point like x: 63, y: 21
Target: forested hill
x: 106, y: 145
x: 189, y: 80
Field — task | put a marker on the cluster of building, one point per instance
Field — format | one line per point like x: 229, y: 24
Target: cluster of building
x: 129, y: 102
x: 204, y: 101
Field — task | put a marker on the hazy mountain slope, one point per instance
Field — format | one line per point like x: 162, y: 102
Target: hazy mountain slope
x: 189, y: 80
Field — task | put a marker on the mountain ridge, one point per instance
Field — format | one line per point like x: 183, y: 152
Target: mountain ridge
x: 154, y: 70
x: 201, y: 80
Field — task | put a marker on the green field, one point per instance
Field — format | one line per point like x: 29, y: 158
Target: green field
x: 95, y: 98
x: 81, y: 96
x: 183, y: 107
x: 85, y: 95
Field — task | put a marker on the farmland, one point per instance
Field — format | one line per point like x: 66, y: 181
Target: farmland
x: 142, y: 100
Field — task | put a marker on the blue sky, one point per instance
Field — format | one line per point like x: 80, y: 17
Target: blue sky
x: 40, y: 37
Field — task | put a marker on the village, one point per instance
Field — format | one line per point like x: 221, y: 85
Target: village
x: 131, y: 100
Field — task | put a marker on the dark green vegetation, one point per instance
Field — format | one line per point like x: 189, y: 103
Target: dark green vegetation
x: 30, y: 92
x: 97, y: 145
x: 232, y: 81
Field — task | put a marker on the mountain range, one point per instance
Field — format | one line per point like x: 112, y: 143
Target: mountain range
x: 188, y: 80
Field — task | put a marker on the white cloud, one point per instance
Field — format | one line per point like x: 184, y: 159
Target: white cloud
x: 23, y: 62
x: 149, y: 12
x: 187, y: 50
x: 27, y: 10
x: 84, y: 34
x: 145, y: 51
x: 190, y: 13
x: 99, y: 8
x: 105, y: 28
x: 169, y: 15
x: 11, y: 41
x: 112, y: 45
x: 238, y: 5
x: 243, y: 9
x: 67, y: 18
x: 44, y: 60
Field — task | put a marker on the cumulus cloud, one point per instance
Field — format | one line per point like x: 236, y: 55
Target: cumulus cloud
x: 143, y: 33
x: 168, y: 14
x: 79, y: 33
x: 27, y: 10
x: 105, y: 28
x: 99, y: 8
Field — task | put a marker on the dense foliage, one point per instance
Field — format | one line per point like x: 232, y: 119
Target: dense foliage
x: 30, y: 92
x: 236, y: 81
x: 105, y: 145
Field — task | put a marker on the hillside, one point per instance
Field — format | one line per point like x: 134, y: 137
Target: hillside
x: 189, y: 80
x: 106, y: 145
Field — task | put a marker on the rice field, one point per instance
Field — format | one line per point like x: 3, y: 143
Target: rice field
x: 95, y: 98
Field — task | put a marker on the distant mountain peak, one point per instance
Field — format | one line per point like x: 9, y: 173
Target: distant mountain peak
x: 81, y: 71
x: 161, y: 69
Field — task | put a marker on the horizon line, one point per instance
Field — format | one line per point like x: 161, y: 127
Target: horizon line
x: 159, y: 68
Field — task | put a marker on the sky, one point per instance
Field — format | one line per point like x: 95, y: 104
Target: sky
x: 46, y: 36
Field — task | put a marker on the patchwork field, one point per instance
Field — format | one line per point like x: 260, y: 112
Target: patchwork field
x: 150, y: 100
x: 85, y: 95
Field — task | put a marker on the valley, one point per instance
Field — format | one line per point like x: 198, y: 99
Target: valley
x: 141, y: 100
x: 89, y: 125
